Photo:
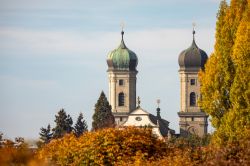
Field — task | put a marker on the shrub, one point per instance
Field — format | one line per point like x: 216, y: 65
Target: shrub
x: 104, y: 147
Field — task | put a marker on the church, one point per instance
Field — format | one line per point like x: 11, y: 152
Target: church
x: 122, y: 63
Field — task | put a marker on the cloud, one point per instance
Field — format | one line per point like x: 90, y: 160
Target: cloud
x: 78, y: 4
x: 147, y: 42
x: 53, y: 54
x: 169, y: 40
x: 13, y: 81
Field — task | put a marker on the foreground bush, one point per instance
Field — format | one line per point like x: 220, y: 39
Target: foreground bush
x: 10, y: 155
x: 18, y: 155
x: 130, y: 147
x: 104, y: 147
x: 186, y: 153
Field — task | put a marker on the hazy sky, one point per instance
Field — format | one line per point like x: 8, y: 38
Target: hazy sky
x: 53, y: 55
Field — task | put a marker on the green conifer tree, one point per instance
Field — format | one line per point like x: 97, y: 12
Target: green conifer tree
x: 103, y: 117
x: 80, y: 126
x: 46, y: 134
x: 69, y: 123
x: 1, y: 136
x: 1, y: 139
x: 63, y: 124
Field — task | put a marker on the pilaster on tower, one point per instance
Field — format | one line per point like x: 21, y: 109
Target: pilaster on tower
x: 192, y: 119
x: 122, y: 72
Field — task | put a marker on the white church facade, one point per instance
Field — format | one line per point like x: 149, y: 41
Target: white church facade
x: 141, y: 118
x: 122, y: 63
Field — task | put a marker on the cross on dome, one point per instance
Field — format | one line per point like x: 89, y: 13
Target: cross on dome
x: 193, y: 24
x: 122, y: 25
x: 158, y: 101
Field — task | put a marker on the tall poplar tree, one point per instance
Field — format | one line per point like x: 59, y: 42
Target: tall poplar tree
x: 214, y: 102
x: 103, y: 117
x: 223, y: 70
x: 237, y: 122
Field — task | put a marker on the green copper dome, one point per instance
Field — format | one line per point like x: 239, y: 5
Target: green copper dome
x: 122, y: 58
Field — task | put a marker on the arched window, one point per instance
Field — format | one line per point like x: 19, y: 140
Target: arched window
x: 192, y: 99
x: 121, y: 99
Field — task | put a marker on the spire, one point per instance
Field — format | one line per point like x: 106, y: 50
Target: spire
x: 193, y: 30
x: 122, y: 45
x: 138, y: 102
x: 193, y: 43
x: 158, y: 110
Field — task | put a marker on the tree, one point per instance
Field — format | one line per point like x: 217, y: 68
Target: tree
x: 103, y: 117
x: 46, y: 134
x: 223, y: 72
x: 109, y: 147
x: 1, y: 139
x: 69, y: 123
x: 214, y: 91
x: 1, y: 136
x: 80, y: 126
x: 237, y: 121
x: 19, y: 142
x: 63, y: 124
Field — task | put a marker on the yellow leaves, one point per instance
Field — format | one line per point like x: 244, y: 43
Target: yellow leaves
x: 10, y: 155
x: 115, y: 147
x: 103, y: 147
x: 225, y: 83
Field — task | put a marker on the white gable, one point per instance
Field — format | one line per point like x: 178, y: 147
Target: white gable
x: 140, y: 120
x: 138, y: 117
x: 139, y: 111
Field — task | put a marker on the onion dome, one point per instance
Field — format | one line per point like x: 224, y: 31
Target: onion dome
x: 193, y: 57
x: 122, y: 58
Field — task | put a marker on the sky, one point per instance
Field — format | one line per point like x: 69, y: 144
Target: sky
x: 53, y: 55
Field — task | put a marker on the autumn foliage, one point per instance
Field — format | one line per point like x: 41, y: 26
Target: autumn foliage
x: 225, y: 97
x: 226, y: 80
x: 127, y: 147
x: 104, y: 147
x: 18, y: 155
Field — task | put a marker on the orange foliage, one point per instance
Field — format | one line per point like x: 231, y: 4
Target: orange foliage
x: 235, y: 153
x: 10, y: 155
x: 104, y: 147
x: 130, y: 147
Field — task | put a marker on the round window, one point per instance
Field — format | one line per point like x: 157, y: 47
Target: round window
x: 138, y: 118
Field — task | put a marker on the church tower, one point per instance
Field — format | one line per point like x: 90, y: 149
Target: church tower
x: 192, y: 119
x: 122, y: 72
